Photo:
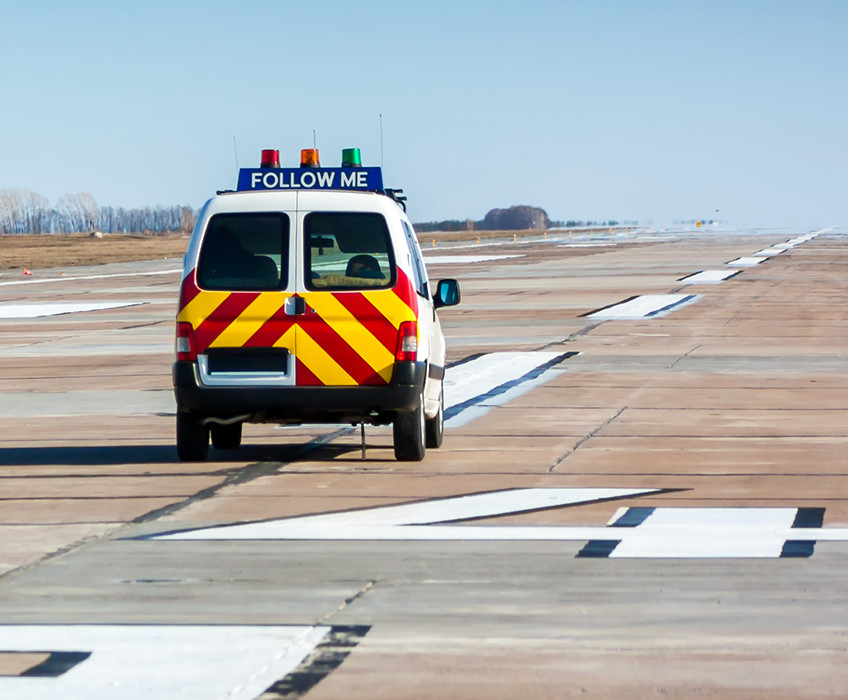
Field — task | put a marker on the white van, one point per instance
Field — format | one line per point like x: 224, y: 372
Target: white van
x: 304, y: 299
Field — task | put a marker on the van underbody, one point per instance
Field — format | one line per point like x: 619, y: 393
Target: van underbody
x: 376, y: 405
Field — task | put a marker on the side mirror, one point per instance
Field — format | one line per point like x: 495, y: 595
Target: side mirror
x: 447, y: 293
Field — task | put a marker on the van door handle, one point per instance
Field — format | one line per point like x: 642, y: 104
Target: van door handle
x: 295, y: 306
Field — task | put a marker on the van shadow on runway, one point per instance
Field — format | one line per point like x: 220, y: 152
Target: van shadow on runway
x: 116, y: 455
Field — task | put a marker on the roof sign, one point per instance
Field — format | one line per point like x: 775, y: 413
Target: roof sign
x: 310, y: 175
x: 310, y: 179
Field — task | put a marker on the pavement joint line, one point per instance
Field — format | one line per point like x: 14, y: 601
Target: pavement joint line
x: 584, y: 439
x: 58, y: 553
x: 241, y: 475
x: 684, y: 356
x: 348, y: 601
x: 572, y: 337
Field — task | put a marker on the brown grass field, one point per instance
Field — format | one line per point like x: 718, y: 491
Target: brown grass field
x: 41, y: 251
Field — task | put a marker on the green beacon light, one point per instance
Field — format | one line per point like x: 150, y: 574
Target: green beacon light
x: 351, y: 158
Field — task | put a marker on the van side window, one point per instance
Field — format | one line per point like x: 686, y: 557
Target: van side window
x: 418, y: 269
x: 347, y: 250
x: 245, y: 252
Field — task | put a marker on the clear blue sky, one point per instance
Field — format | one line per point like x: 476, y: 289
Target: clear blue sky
x: 594, y: 109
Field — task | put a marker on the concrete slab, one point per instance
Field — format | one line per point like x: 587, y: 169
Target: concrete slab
x: 738, y: 401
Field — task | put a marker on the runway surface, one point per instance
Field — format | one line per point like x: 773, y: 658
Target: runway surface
x: 641, y: 494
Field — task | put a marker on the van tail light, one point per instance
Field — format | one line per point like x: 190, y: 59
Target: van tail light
x: 407, y: 343
x: 186, y: 350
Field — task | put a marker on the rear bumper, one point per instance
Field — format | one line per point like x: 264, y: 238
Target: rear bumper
x: 301, y: 404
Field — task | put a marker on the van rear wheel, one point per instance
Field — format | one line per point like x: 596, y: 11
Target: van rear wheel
x: 192, y: 438
x: 409, y: 431
x: 226, y: 437
x: 436, y: 424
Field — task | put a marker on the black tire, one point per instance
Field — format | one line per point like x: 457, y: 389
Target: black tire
x: 226, y: 437
x: 436, y: 424
x: 409, y: 431
x: 192, y: 438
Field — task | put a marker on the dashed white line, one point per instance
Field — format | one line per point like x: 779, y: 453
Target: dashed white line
x: 645, y: 306
x: 709, y: 277
x: 750, y: 261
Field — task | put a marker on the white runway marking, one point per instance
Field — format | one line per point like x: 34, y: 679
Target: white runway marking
x: 709, y: 277
x: 461, y: 259
x: 646, y: 306
x: 746, y: 262
x: 417, y: 521
x: 8, y: 311
x: 478, y: 376
x: 774, y: 250
x: 40, y: 280
x: 470, y: 386
x: 588, y: 245
x: 159, y: 662
x: 710, y: 532
x: 679, y: 533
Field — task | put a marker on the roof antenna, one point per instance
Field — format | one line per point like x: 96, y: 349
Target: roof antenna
x: 235, y: 150
x: 314, y: 140
x: 381, y: 140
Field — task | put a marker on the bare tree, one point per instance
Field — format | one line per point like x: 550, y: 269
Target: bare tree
x: 81, y: 211
x: 22, y: 211
x: 188, y: 217
x: 9, y: 207
x: 35, y: 211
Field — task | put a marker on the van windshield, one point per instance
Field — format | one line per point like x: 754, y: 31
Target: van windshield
x: 245, y: 252
x: 347, y: 250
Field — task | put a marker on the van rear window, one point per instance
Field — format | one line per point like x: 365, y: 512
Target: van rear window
x: 347, y: 250
x: 243, y: 252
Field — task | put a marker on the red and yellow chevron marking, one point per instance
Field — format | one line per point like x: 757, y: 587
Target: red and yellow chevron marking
x: 345, y: 338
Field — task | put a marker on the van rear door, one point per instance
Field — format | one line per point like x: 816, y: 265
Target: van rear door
x: 356, y: 298
x: 241, y: 300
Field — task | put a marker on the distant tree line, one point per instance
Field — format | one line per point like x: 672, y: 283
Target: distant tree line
x: 512, y: 219
x: 515, y: 218
x: 22, y: 211
x: 446, y: 225
x: 571, y: 223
